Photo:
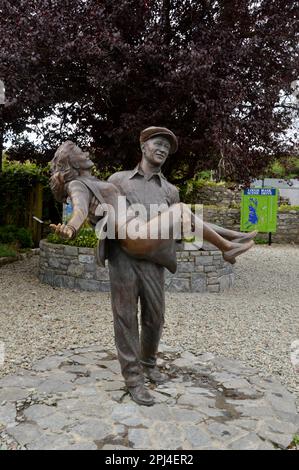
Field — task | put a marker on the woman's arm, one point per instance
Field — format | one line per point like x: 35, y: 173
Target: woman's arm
x: 80, y: 197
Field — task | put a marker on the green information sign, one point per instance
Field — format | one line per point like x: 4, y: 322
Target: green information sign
x: 259, y: 210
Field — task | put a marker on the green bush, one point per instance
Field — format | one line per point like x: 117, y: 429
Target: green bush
x: 10, y: 234
x: 16, y: 182
x: 189, y: 189
x: 261, y: 241
x: 25, y: 238
x: 85, y: 238
x: 285, y: 168
x: 7, y: 251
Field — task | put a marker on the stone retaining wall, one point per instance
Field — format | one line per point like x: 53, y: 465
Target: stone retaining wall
x: 75, y: 268
x: 217, y: 195
x: 220, y: 195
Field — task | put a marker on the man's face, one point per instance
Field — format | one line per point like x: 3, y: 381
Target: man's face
x: 156, y: 150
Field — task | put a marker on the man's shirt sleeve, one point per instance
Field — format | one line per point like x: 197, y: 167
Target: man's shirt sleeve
x: 175, y: 195
x: 116, y: 179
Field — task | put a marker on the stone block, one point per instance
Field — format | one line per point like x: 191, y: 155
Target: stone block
x: 54, y: 262
x: 7, y: 414
x: 209, y: 269
x: 86, y: 251
x: 197, y: 437
x: 101, y: 274
x: 185, y: 266
x: 211, y: 274
x: 198, y: 282
x: 104, y: 286
x: 86, y: 259
x: 213, y: 288
x: 24, y: 433
x: 71, y: 250
x: 64, y: 281
x: 87, y: 275
x: 178, y: 285
x: 204, y: 260
x: 212, y: 280
x: 87, y: 284
x: 75, y: 270
x: 199, y: 268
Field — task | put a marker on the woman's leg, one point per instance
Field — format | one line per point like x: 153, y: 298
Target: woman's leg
x: 178, y: 221
x: 230, y: 249
x: 232, y: 234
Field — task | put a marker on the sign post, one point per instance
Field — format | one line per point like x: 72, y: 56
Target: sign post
x: 259, y: 210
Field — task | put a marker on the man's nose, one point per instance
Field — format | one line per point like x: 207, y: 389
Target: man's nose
x: 163, y: 150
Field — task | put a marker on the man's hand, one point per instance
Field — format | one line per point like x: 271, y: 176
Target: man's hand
x: 65, y: 231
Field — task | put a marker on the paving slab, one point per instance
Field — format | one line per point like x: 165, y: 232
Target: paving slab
x: 77, y: 400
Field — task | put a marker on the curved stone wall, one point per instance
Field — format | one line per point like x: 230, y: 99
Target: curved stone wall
x: 75, y: 268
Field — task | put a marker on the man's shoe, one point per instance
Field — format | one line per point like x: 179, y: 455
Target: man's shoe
x: 141, y: 395
x: 154, y: 375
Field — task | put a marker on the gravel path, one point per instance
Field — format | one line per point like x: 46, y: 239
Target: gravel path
x: 256, y: 321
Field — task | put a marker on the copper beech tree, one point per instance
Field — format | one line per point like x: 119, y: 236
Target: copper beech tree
x: 218, y: 73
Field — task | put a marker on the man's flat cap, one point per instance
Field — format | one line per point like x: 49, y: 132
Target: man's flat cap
x: 150, y: 132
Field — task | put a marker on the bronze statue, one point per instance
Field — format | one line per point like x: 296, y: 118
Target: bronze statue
x: 136, y: 265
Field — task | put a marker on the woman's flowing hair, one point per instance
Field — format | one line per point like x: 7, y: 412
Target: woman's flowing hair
x: 68, y: 160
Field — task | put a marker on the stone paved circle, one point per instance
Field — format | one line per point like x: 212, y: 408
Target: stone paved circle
x: 76, y: 399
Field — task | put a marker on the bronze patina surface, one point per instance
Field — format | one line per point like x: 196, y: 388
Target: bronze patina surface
x: 136, y: 265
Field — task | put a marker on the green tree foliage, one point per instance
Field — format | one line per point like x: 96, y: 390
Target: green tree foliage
x: 16, y: 182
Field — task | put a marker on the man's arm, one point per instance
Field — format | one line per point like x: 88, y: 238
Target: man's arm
x: 116, y: 179
x: 175, y: 195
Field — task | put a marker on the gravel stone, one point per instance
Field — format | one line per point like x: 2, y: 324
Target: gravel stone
x: 259, y: 308
x: 251, y: 327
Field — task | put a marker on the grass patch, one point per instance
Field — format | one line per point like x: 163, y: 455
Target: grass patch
x: 7, y: 251
x: 261, y: 241
x: 295, y: 442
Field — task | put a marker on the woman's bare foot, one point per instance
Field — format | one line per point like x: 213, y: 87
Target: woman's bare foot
x: 246, y: 237
x: 236, y: 250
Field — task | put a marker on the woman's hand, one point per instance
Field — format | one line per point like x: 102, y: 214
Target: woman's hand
x: 65, y: 231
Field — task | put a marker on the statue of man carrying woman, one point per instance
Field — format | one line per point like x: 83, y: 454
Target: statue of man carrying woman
x: 136, y: 258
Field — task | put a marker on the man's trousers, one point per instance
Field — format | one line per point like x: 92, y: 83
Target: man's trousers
x: 133, y: 279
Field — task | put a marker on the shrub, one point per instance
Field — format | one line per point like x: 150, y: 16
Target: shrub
x: 85, y: 238
x: 7, y: 251
x: 24, y: 237
x: 189, y: 189
x: 10, y: 234
x: 261, y: 241
x: 17, y: 181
